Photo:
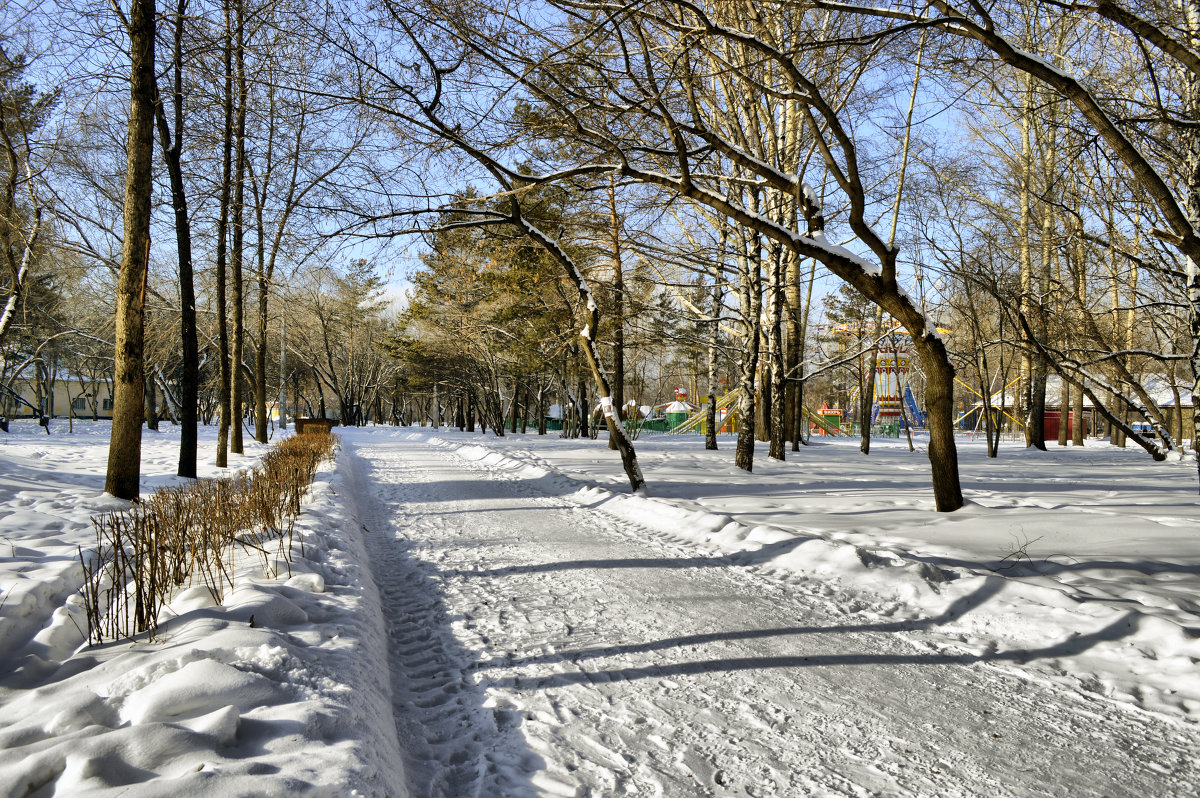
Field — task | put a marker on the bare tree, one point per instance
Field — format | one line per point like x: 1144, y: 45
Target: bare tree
x: 171, y: 142
x: 22, y: 112
x: 238, y: 224
x: 226, y: 375
x: 125, y: 447
x: 1165, y: 39
x: 653, y: 116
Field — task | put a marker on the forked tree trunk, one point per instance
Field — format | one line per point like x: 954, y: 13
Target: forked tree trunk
x: 172, y: 147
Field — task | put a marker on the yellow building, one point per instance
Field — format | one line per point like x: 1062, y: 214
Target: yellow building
x: 68, y: 395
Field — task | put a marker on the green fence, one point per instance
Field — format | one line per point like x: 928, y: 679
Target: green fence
x: 878, y: 430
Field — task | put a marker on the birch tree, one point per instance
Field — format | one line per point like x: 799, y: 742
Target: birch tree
x: 23, y: 110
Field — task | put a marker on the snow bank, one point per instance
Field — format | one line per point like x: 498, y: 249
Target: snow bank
x: 278, y: 692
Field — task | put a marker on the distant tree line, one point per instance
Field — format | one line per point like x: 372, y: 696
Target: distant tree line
x: 587, y: 192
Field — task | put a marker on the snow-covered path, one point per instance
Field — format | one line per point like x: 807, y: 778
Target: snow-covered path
x: 540, y: 646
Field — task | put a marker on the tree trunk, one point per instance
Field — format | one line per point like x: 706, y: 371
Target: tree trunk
x: 151, y: 397
x: 1079, y: 276
x: 226, y: 410
x: 587, y: 336
x: 1192, y: 267
x: 238, y: 249
x: 260, y: 363
x: 1036, y: 434
x: 793, y: 348
x: 172, y: 148
x: 581, y: 409
x: 750, y: 297
x: 778, y: 406
x: 283, y: 404
x: 320, y: 393
x: 618, y: 320
x: 710, y: 424
x: 125, y: 446
x: 867, y: 395
x: 801, y: 432
x: 1064, y: 410
x: 939, y: 401
x: 12, y: 243
x: 1034, y: 416
x: 497, y: 420
x: 985, y: 389
x: 515, y: 406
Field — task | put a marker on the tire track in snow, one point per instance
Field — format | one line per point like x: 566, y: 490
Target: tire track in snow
x: 631, y: 664
x: 454, y: 746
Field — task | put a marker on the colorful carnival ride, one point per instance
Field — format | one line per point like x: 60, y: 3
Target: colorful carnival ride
x: 894, y: 401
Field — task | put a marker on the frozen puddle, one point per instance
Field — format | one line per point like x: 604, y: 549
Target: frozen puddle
x: 540, y: 647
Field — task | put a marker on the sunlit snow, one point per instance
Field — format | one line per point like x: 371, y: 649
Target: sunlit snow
x: 475, y: 615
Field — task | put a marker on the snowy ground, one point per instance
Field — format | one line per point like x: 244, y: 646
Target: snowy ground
x: 1089, y: 557
x: 271, y: 694
x: 812, y: 629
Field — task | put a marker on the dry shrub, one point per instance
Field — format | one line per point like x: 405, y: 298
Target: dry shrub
x: 183, y: 535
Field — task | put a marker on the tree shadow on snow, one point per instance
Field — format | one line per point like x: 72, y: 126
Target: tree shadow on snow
x: 734, y: 559
x: 1117, y: 630
x: 491, y: 487
x: 1055, y: 564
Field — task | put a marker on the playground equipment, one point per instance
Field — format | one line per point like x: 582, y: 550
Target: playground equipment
x: 826, y: 421
x: 998, y: 402
x: 1002, y: 405
x: 823, y: 421
x: 895, y: 404
x: 694, y: 422
x: 678, y: 411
